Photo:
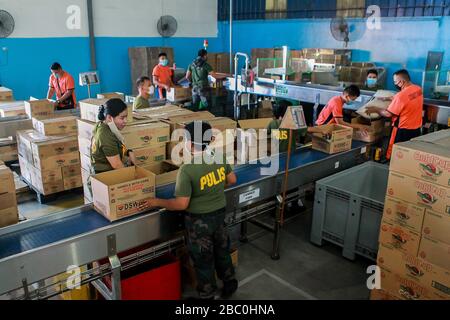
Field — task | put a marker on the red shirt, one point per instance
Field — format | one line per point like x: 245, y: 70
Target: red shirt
x: 66, y: 83
x: 332, y: 111
x: 407, y: 108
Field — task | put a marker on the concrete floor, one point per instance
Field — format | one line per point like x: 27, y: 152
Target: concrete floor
x: 305, y: 271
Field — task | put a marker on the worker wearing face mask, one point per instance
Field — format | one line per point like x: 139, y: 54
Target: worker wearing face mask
x: 333, y: 112
x: 63, y: 84
x: 163, y: 76
x: 405, y: 110
x: 198, y: 72
x: 145, y: 89
x: 372, y: 81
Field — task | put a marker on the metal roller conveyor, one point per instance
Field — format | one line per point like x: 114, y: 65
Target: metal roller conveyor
x: 41, y: 248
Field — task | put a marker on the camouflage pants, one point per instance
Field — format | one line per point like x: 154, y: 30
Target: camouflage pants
x: 200, y: 95
x: 209, y: 248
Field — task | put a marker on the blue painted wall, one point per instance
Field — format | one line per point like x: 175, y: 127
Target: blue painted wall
x: 401, y: 42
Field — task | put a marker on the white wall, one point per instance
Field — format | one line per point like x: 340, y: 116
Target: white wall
x: 112, y: 18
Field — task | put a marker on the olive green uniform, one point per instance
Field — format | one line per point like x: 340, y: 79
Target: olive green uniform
x: 208, y: 241
x: 140, y: 103
x: 282, y: 135
x: 105, y: 144
x: 200, y: 85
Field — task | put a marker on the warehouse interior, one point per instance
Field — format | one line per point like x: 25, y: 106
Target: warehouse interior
x: 332, y: 117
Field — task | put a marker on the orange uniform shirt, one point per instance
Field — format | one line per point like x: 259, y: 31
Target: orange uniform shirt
x: 407, y: 108
x: 62, y: 84
x: 164, y: 75
x: 332, y: 111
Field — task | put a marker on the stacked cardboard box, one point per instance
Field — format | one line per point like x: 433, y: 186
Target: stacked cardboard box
x: 49, y: 163
x: 89, y: 109
x: 179, y: 93
x: 333, y: 56
x: 56, y: 126
x: 111, y: 95
x: 220, y: 62
x: 8, y: 201
x: 39, y: 108
x: 8, y: 150
x: 12, y: 109
x: 414, y: 254
x: 148, y: 140
x: 375, y: 129
x: 6, y: 94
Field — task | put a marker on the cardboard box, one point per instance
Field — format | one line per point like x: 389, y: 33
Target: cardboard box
x: 6, y: 94
x: 340, y: 140
x: 404, y: 214
x: 32, y: 144
x: 437, y: 226
x: 434, y: 278
x: 73, y: 182
x: 85, y: 179
x: 428, y: 161
x: 378, y: 295
x: 9, y: 152
x: 57, y: 161
x: 374, y: 130
x: 144, y: 135
x: 394, y: 236
x: 420, y: 192
x: 123, y: 192
x: 46, y: 176
x: 12, y: 109
x: 71, y: 171
x: 59, y: 126
x: 149, y: 155
x: 435, y: 251
x: 8, y: 216
x: 39, y: 108
x: 85, y: 162
x: 25, y: 169
x: 174, y: 120
x: 8, y: 200
x: 47, y: 188
x: 165, y: 172
x: 85, y: 129
x: 222, y: 124
x: 6, y: 180
x: 179, y: 94
x: 89, y: 109
x: 84, y: 146
x: 111, y: 95
x: 403, y: 287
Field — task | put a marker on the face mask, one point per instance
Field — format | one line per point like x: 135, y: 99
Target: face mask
x: 57, y: 75
x: 164, y: 62
x: 350, y: 102
x: 371, y: 82
x: 397, y: 86
x: 151, y: 90
x: 116, y: 131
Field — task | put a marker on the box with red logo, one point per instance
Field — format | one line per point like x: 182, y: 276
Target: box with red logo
x: 400, y: 238
x: 437, y: 226
x: 431, y: 276
x: 123, y: 192
x: 419, y: 192
x: 403, y: 287
x: 429, y: 161
x: 404, y: 214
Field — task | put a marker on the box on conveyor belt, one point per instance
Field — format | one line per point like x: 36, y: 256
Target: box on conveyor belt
x: 6, y: 94
x: 56, y: 126
x: 397, y: 237
x: 435, y: 251
x: 111, y: 95
x: 12, y: 109
x: 137, y: 135
x: 8, y: 152
x: 428, y: 161
x: 404, y: 214
x: 375, y: 129
x: 419, y: 192
x: 89, y: 109
x: 165, y: 172
x: 179, y: 93
x: 430, y: 276
x: 151, y: 154
x: 339, y: 141
x: 437, y: 226
x: 123, y: 192
x: 39, y: 108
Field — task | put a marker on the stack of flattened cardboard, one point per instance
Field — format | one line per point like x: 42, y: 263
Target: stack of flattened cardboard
x: 414, y: 253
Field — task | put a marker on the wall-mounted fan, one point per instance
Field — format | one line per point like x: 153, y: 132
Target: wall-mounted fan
x: 6, y: 24
x: 167, y: 26
x: 346, y: 31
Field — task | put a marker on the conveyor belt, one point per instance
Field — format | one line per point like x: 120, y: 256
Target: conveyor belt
x: 87, y: 221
